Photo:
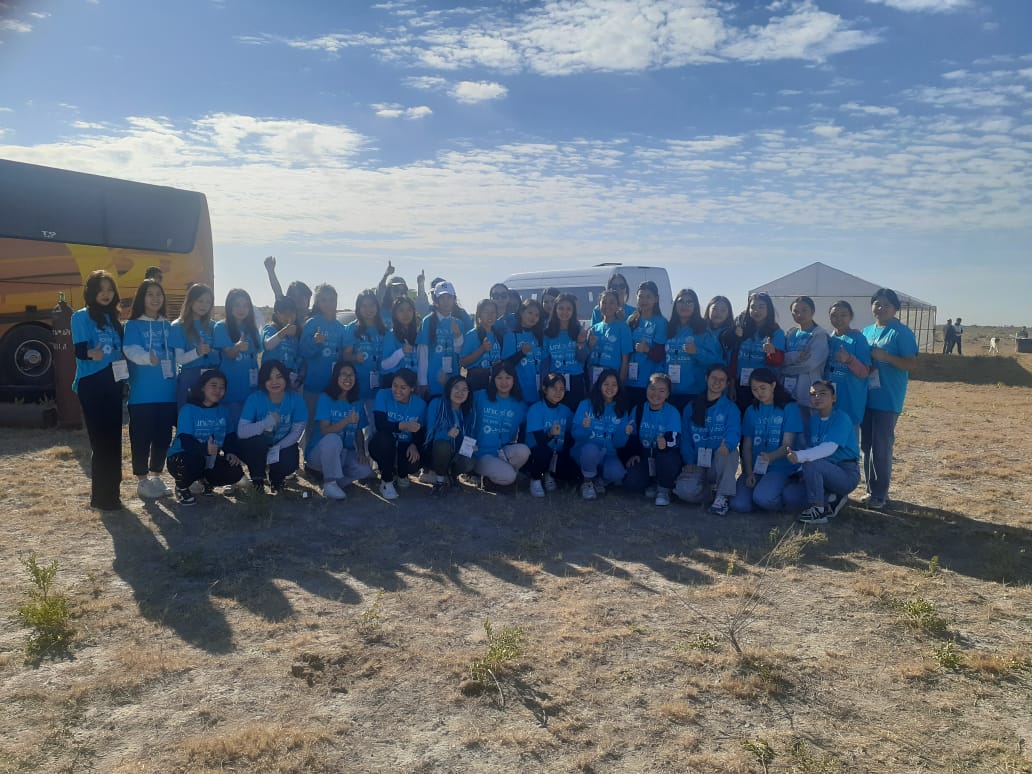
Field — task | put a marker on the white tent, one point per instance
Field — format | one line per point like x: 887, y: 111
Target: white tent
x: 826, y: 285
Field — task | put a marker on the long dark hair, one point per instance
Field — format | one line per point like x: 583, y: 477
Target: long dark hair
x: 481, y: 333
x: 695, y: 321
x: 701, y: 402
x: 139, y: 300
x: 405, y: 334
x: 598, y: 403
x: 748, y: 324
x: 196, y: 394
x: 250, y: 326
x: 467, y: 405
x: 635, y: 317
x: 781, y: 396
x: 268, y: 366
x: 102, y: 315
x: 539, y: 327
x: 573, y: 328
x: 503, y: 366
x: 186, y: 315
x: 361, y: 329
x: 333, y: 389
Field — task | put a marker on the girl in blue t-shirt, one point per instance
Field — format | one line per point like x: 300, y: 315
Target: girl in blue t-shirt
x: 281, y: 339
x: 450, y: 419
x: 482, y: 347
x: 609, y: 341
x: 618, y: 284
x: 365, y: 345
x: 649, y: 335
x: 322, y: 342
x: 500, y: 413
x: 238, y: 340
x: 849, y: 363
x: 399, y: 342
x: 770, y: 427
x: 193, y: 338
x: 602, y: 424
x: 652, y: 454
x: 199, y: 452
x: 548, y: 437
x: 337, y: 450
x: 439, y: 341
x: 830, y: 466
x: 152, y: 388
x: 523, y: 347
x: 270, y: 426
x: 399, y: 417
x: 566, y: 348
x: 686, y: 356
x: 719, y: 335
x: 99, y: 366
x: 760, y: 343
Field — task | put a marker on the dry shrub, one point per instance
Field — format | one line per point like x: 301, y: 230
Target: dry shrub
x: 678, y: 711
x: 268, y: 747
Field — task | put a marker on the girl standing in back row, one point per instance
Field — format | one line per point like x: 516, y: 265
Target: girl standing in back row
x: 649, y: 334
x: 238, y: 339
x: 192, y: 337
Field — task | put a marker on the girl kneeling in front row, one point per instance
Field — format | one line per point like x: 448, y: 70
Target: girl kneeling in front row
x: 450, y: 420
x: 270, y: 426
x: 549, y: 439
x: 831, y: 467
x: 601, y: 426
x: 500, y: 412
x: 338, y: 449
x: 198, y: 452
x: 653, y: 457
x: 399, y: 415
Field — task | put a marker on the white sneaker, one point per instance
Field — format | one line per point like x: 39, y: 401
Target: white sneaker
x: 550, y: 485
x: 197, y: 487
x: 537, y: 489
x: 388, y: 491
x: 662, y: 497
x: 651, y: 491
x: 600, y: 487
x: 403, y: 482
x: 145, y: 490
x: 587, y: 490
x: 333, y: 491
x: 719, y: 506
x: 427, y: 477
x: 160, y: 488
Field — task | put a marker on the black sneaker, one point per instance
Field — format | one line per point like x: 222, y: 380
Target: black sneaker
x: 815, y: 514
x: 209, y: 489
x: 440, y: 489
x: 185, y: 496
x: 835, y: 505
x: 313, y: 475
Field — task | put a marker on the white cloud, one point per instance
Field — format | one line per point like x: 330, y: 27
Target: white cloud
x: 477, y: 91
x: 12, y: 25
x: 393, y: 110
x: 827, y: 131
x: 807, y: 33
x: 871, y: 110
x: 932, y: 6
x: 39, y: 15
x: 426, y: 82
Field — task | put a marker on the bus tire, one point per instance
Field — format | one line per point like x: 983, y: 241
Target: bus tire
x: 27, y: 356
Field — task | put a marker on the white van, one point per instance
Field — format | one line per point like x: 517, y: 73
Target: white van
x: 587, y: 283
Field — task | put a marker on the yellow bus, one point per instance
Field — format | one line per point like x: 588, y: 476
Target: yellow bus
x: 57, y: 226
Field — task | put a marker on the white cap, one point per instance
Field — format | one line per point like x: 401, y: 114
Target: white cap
x: 442, y: 288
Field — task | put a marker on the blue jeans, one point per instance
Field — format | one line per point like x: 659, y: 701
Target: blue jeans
x: 877, y: 437
x: 594, y: 459
x: 771, y: 493
x: 823, y: 476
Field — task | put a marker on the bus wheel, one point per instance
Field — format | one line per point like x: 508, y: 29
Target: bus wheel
x: 27, y: 357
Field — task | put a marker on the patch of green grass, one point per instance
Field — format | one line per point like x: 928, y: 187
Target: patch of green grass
x: 761, y: 751
x: 803, y: 760
x: 949, y: 656
x: 504, y: 647
x: 46, y: 612
x: 704, y: 642
x: 921, y: 614
x: 933, y: 567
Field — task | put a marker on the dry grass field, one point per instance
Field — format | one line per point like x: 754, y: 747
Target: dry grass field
x: 298, y: 635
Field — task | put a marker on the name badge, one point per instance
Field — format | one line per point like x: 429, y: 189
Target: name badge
x: 120, y: 370
x: 760, y: 467
x: 537, y: 382
x: 446, y: 364
x: 674, y: 372
x: 166, y: 368
x: 566, y: 378
x: 632, y: 372
x: 374, y: 380
x: 252, y: 377
x: 746, y: 375
x: 468, y: 445
x: 790, y: 383
x: 705, y: 457
x: 874, y: 380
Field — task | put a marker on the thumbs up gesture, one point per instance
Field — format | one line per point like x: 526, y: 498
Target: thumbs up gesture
x: 319, y: 336
x: 213, y: 448
x: 768, y: 346
x: 242, y: 345
x: 587, y: 420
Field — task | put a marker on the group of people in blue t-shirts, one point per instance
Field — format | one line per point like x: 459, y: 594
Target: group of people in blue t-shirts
x: 732, y: 412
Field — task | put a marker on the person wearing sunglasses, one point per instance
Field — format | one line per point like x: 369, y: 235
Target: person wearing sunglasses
x: 618, y: 283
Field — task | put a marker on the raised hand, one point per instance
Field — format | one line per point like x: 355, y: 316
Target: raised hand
x: 213, y: 448
x: 587, y: 420
x: 319, y: 337
x: 270, y: 263
x: 768, y: 346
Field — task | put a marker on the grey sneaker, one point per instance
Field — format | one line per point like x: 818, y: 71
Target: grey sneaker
x: 388, y: 491
x: 719, y: 506
x: 662, y: 497
x: 651, y: 491
x: 537, y: 489
x: 587, y: 490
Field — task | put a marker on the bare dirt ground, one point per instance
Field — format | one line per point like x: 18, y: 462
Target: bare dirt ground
x: 306, y: 635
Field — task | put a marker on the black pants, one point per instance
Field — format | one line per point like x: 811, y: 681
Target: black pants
x: 635, y: 396
x: 390, y: 456
x: 254, y: 451
x: 446, y: 461
x: 577, y: 391
x: 150, y: 435
x: 541, y: 459
x: 101, y: 399
x: 668, y: 466
x: 186, y: 468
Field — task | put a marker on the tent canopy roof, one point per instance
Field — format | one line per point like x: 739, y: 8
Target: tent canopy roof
x: 820, y: 280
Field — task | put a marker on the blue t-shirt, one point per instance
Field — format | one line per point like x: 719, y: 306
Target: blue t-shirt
x: 441, y: 354
x: 896, y: 339
x: 767, y: 426
x: 528, y: 367
x: 392, y: 345
x: 333, y: 411
x: 147, y: 383
x: 561, y: 355
x: 370, y: 343
x: 654, y: 424
x: 201, y: 423
x: 608, y: 431
x: 723, y: 425
x: 498, y: 422
x: 203, y: 334
x: 291, y: 409
x: 84, y: 330
x: 850, y: 390
x: 441, y: 418
x: 596, y: 313
x: 319, y: 357
x: 612, y: 342
x: 543, y: 417
x: 751, y: 354
x: 837, y: 428
x: 471, y: 343
x: 692, y: 378
x: 413, y: 411
x: 650, y: 331
x: 288, y: 351
x: 242, y: 371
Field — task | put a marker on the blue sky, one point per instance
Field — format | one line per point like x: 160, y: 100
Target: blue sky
x: 731, y: 142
